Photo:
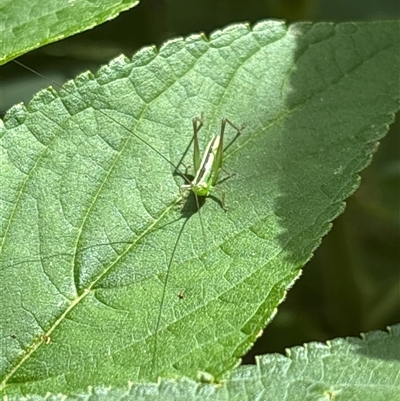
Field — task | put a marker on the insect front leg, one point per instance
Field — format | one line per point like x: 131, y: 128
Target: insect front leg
x: 221, y: 198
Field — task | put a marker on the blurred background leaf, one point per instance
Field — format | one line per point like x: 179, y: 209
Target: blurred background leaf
x: 27, y: 25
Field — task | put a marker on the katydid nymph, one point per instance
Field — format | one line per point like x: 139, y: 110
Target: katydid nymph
x: 208, y: 168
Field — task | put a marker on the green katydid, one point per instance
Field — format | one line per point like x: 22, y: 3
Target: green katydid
x: 208, y: 168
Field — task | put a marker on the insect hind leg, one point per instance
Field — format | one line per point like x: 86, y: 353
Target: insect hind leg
x: 235, y: 127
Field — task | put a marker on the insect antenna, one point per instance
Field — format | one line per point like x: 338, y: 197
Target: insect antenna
x: 176, y: 169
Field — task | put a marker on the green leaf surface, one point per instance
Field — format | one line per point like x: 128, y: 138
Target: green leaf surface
x: 341, y: 370
x: 92, y: 225
x: 27, y: 25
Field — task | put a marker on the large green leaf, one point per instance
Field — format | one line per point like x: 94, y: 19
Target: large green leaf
x: 27, y: 25
x: 92, y: 224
